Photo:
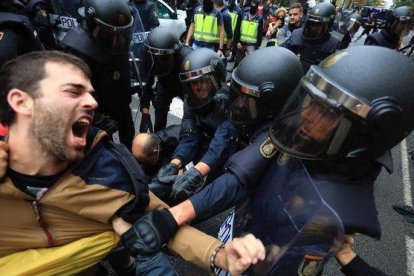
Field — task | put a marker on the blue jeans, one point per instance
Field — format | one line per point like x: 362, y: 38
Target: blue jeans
x: 154, y: 265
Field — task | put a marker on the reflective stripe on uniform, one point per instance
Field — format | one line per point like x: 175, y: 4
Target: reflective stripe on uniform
x: 205, y: 28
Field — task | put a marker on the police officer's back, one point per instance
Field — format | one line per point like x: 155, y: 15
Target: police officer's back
x: 102, y: 40
x: 313, y: 42
x: 17, y: 34
x: 400, y: 25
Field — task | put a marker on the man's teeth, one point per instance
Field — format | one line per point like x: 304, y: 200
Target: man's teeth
x: 84, y: 120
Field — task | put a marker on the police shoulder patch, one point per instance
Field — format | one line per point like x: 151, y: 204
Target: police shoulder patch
x: 267, y: 149
x: 186, y: 65
x: 311, y: 265
x: 43, y: 13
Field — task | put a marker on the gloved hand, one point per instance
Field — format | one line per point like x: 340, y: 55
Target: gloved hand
x: 161, y: 186
x: 169, y: 169
x: 187, y: 184
x: 105, y: 123
x: 146, y: 124
x: 150, y: 233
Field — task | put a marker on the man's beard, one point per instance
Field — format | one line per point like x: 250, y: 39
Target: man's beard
x: 50, y: 128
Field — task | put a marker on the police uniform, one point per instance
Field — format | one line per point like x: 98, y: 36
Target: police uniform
x: 206, y: 28
x: 167, y: 88
x: 311, y: 52
x: 384, y: 39
x: 41, y: 22
x: 207, y: 136
x: 148, y: 13
x: 110, y: 78
x: 17, y: 36
x: 284, y: 33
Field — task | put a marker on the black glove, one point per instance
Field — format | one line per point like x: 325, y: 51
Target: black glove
x: 169, y: 169
x: 187, y: 185
x: 161, y: 186
x: 146, y: 124
x: 150, y: 233
x: 105, y: 123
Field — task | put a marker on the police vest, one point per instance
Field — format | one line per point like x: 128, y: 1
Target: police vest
x: 205, y: 27
x: 248, y: 30
x: 14, y: 21
x: 234, y: 16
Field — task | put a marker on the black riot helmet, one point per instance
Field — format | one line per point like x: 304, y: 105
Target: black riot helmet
x: 110, y: 24
x: 261, y: 84
x: 163, y: 45
x: 14, y: 6
x: 352, y: 23
x: 202, y: 74
x: 350, y: 105
x: 319, y: 21
x: 403, y: 21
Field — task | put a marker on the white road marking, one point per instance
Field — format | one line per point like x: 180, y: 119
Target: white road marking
x: 409, y: 242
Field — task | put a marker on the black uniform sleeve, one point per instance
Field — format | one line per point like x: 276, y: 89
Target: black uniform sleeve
x: 358, y: 267
x: 259, y: 33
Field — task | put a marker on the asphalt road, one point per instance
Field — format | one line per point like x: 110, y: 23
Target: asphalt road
x: 393, y: 254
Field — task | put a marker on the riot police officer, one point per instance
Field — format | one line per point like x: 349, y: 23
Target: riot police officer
x: 206, y: 138
x: 102, y: 40
x: 17, y: 34
x: 402, y: 22
x: 168, y: 56
x: 258, y: 91
x: 347, y: 30
x: 39, y: 16
x: 334, y: 135
x: 313, y: 42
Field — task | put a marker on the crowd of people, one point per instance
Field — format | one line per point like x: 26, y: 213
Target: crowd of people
x: 289, y: 141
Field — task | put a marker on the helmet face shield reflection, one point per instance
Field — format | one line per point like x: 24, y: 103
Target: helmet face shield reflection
x: 311, y: 127
x: 352, y: 26
x: 116, y: 40
x: 242, y: 107
x: 315, y: 28
x: 199, y: 91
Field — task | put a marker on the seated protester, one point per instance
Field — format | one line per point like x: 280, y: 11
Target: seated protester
x: 279, y: 22
x: 322, y: 141
x: 70, y: 184
x: 207, y: 138
x: 153, y: 150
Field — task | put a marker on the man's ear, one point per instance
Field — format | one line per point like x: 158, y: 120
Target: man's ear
x: 20, y: 101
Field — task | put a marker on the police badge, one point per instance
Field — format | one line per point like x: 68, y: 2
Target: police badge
x: 267, y: 149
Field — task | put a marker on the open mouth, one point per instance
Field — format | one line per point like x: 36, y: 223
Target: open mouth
x: 79, y: 130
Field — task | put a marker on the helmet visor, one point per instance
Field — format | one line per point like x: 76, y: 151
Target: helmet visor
x: 199, y: 91
x: 114, y: 39
x: 242, y: 107
x: 311, y: 126
x: 352, y: 26
x: 315, y: 29
x: 163, y: 62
